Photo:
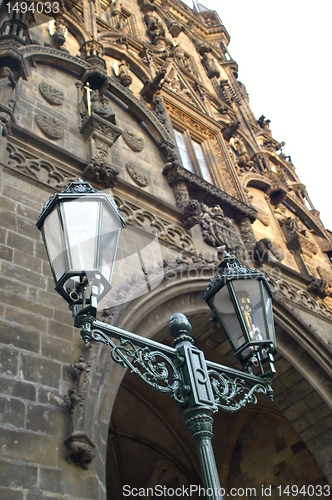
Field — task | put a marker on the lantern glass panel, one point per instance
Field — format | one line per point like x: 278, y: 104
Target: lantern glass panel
x: 249, y: 296
x: 229, y: 319
x: 81, y: 221
x: 53, y: 240
x: 269, y: 314
x: 110, y: 232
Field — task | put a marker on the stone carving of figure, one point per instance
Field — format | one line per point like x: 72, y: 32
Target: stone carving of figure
x: 116, y: 10
x: 211, y: 65
x: 292, y: 224
x: 8, y: 88
x: 242, y: 154
x: 5, y: 123
x: 99, y: 105
x: 124, y: 73
x: 154, y: 26
x: 264, y: 123
x: 60, y: 33
x: 182, y: 59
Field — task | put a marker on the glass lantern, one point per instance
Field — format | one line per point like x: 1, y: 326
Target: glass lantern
x: 241, y: 300
x: 81, y: 228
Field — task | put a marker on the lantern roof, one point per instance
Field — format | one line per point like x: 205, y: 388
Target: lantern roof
x: 232, y: 270
x: 75, y: 190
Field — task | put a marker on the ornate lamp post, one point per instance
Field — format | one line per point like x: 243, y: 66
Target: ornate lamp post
x: 80, y: 228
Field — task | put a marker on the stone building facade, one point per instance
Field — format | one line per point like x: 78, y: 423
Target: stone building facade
x: 141, y: 98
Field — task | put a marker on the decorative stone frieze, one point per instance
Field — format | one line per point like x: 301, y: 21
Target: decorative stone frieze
x: 166, y: 231
x: 38, y: 170
x: 297, y: 295
x: 175, y: 173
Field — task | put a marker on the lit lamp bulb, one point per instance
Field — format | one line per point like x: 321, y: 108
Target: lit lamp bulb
x: 245, y: 304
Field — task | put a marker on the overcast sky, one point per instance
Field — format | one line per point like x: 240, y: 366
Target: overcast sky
x: 283, y: 49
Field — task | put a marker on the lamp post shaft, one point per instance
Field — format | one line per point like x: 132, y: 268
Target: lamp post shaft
x: 200, y: 424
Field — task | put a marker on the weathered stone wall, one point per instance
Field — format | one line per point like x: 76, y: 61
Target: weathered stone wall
x: 38, y: 345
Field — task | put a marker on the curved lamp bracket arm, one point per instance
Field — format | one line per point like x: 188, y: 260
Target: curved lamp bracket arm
x: 156, y: 364
x: 234, y: 389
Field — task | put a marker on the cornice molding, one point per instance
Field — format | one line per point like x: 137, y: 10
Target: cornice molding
x: 176, y: 173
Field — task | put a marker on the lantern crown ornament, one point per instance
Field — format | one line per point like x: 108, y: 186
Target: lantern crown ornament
x: 80, y: 228
x: 241, y: 301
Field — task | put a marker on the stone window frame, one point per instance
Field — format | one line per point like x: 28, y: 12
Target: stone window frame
x: 204, y: 171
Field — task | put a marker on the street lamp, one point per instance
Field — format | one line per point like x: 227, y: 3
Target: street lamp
x: 241, y: 300
x: 80, y: 228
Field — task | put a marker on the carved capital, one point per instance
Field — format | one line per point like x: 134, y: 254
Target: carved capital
x: 95, y: 123
x: 80, y: 449
x: 200, y: 426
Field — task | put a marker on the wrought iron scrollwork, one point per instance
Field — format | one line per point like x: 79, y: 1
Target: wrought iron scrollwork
x: 232, y: 394
x: 154, y: 367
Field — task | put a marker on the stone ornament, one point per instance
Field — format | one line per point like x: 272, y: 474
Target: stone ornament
x: 95, y: 124
x: 51, y: 94
x: 132, y: 140
x: 51, y: 127
x: 8, y: 88
x: 219, y: 230
x: 140, y: 178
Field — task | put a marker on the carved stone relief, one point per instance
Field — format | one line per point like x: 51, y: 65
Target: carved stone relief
x: 155, y: 30
x: 265, y: 251
x: 242, y: 156
x: 98, y: 124
x: 59, y: 33
x: 219, y: 230
x: 228, y: 92
x: 141, y: 179
x: 132, y: 140
x: 246, y: 231
x: 51, y: 94
x: 117, y: 18
x: 80, y: 448
x: 100, y: 172
x: 211, y: 65
x: 122, y: 71
x: 8, y: 88
x: 182, y: 60
x: 51, y: 127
